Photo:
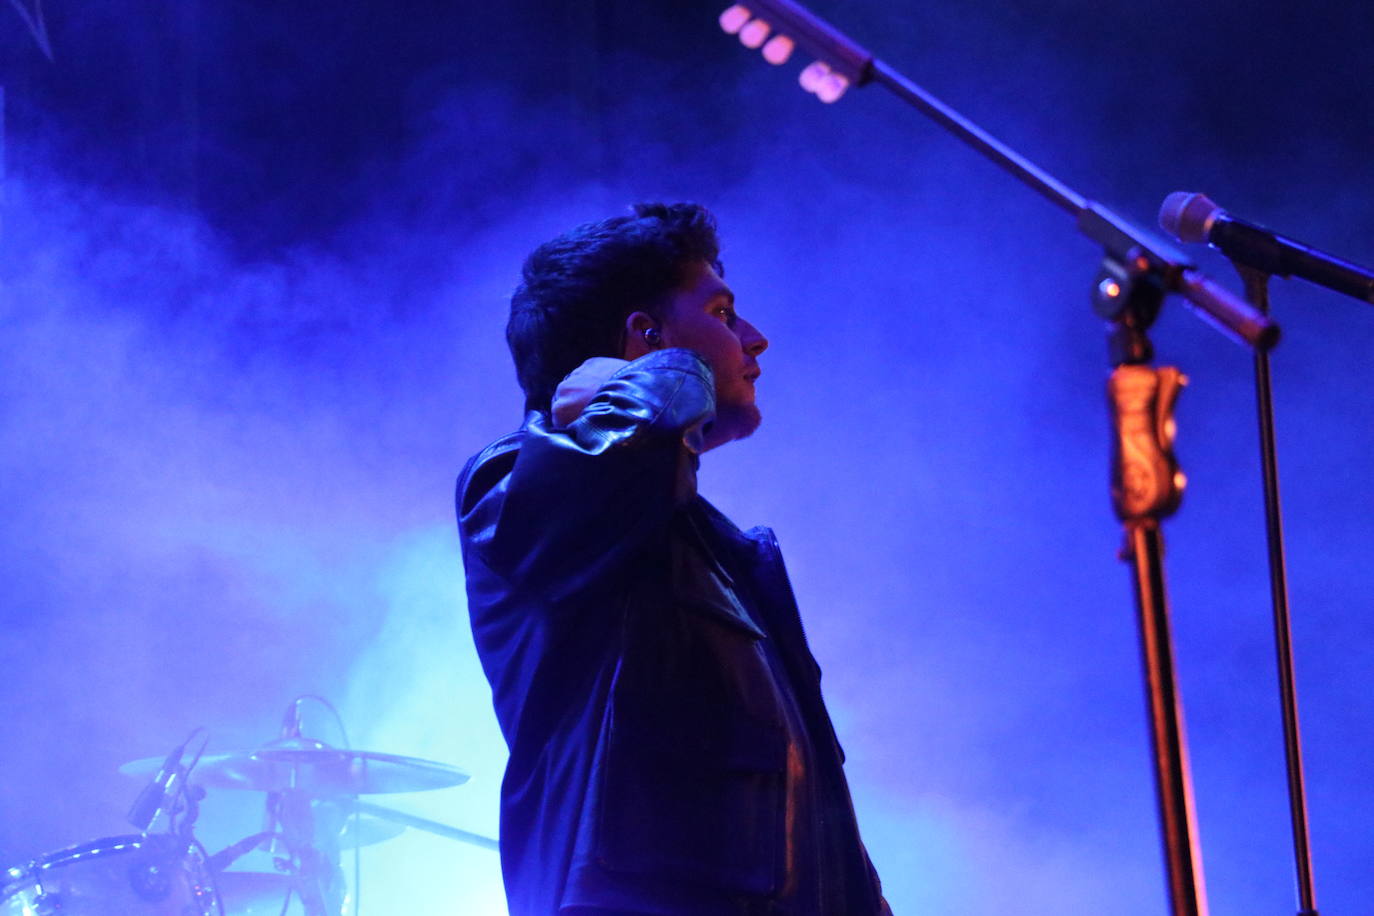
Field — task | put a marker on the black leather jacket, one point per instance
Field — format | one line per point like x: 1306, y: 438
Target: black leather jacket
x: 619, y: 619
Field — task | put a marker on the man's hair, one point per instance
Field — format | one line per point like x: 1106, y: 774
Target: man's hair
x: 576, y: 291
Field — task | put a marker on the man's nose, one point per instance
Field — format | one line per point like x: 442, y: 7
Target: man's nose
x: 751, y: 339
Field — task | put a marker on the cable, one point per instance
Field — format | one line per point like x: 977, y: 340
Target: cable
x: 338, y: 719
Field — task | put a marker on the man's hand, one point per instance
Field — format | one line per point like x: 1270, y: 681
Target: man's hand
x: 581, y: 386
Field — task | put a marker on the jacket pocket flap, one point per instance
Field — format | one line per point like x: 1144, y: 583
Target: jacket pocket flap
x: 704, y: 587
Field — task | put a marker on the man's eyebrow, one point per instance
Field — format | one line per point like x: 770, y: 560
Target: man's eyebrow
x: 724, y: 293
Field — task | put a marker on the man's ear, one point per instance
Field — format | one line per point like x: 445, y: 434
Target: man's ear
x: 636, y: 323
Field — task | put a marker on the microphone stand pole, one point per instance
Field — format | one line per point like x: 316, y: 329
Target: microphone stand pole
x: 1257, y: 292
x: 1147, y: 486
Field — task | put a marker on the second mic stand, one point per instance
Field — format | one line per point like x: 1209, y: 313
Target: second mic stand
x: 1257, y: 292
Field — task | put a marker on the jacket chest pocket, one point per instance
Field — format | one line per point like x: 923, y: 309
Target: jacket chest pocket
x: 694, y: 769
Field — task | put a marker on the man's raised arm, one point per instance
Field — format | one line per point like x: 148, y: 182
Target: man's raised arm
x: 579, y: 499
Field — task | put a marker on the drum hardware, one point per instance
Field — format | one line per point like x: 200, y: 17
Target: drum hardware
x: 138, y: 875
x: 363, y: 829
x: 313, y: 813
x: 145, y: 874
x: 311, y: 790
x: 420, y: 823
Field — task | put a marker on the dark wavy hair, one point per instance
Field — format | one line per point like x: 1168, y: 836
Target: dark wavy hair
x: 576, y: 291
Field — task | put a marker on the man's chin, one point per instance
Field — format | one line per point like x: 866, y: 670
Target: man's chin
x: 749, y: 419
x: 733, y: 421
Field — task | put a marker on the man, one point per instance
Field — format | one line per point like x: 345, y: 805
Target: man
x: 670, y: 752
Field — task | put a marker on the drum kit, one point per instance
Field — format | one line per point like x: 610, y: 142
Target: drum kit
x: 313, y: 813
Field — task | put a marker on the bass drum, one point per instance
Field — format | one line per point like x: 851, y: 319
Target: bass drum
x: 117, y: 876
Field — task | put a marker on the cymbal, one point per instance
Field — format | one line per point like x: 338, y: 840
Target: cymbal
x: 314, y: 768
x: 365, y: 830
x: 338, y: 824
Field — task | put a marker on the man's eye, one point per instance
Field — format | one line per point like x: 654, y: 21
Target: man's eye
x: 728, y: 314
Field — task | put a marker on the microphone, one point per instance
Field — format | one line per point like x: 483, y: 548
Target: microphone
x: 150, y: 801
x: 1191, y: 217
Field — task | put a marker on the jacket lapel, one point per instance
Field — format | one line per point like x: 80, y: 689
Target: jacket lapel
x: 702, y: 582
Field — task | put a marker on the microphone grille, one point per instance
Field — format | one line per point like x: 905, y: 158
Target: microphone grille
x: 1187, y: 216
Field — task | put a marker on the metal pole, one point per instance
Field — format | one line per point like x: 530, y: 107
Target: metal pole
x: 1147, y: 486
x: 1177, y: 817
x: 1257, y: 292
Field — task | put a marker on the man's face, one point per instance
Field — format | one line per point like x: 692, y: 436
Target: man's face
x: 700, y: 315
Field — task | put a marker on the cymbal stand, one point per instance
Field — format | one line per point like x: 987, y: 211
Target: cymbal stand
x: 317, y: 877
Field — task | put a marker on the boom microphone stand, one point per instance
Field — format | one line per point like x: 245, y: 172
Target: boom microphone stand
x: 1147, y: 486
x: 1137, y: 271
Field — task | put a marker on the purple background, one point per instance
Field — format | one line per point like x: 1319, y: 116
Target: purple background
x: 255, y: 261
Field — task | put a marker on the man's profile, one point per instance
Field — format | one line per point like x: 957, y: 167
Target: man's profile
x: 670, y: 751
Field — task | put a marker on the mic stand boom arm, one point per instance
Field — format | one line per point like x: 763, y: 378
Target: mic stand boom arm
x: 1121, y: 241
